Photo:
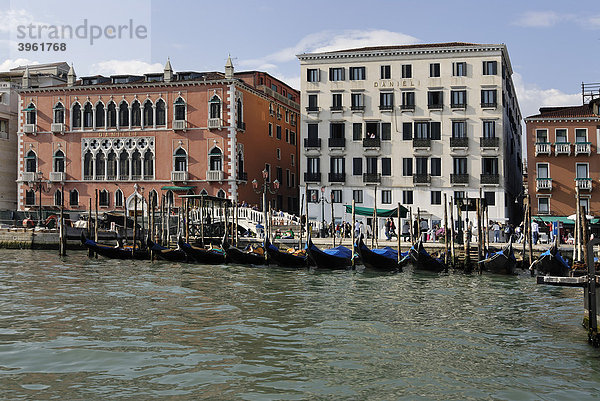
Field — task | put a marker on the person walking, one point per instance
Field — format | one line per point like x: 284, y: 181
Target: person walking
x: 535, y: 232
x: 496, y: 230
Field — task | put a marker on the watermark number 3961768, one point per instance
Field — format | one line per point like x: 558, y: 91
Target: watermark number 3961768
x: 41, y: 46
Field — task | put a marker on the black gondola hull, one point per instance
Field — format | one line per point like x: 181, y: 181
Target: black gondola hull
x: 374, y: 261
x: 201, y: 255
x: 115, y: 252
x: 422, y: 260
x: 284, y: 259
x: 323, y: 260
x: 163, y: 253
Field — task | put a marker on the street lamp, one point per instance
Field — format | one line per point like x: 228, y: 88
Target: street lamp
x: 37, y: 185
x: 263, y: 190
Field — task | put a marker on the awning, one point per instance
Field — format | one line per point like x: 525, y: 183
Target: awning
x: 552, y: 219
x: 368, y: 211
x: 175, y: 188
x: 29, y: 109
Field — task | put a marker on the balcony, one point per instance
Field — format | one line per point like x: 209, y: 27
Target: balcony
x: 179, y: 125
x: 29, y: 128
x: 312, y: 143
x: 91, y: 177
x: 179, y: 176
x: 147, y: 177
x: 490, y: 179
x: 407, y: 107
x: 421, y: 179
x: 489, y: 105
x: 543, y: 184
x: 242, y: 176
x: 489, y: 143
x: 337, y: 142
x: 134, y: 177
x: 371, y: 178
x: 337, y: 177
x: 122, y: 177
x: 28, y: 176
x: 458, y: 105
x: 584, y: 183
x: 562, y: 148
x: 583, y: 148
x: 386, y: 107
x: 241, y: 125
x: 357, y: 108
x: 542, y: 148
x: 214, y: 123
x: 58, y: 128
x: 459, y: 179
x: 336, y: 108
x: 421, y: 143
x: 312, y: 109
x: 435, y: 106
x: 111, y: 177
x: 216, y: 175
x: 459, y: 142
x: 371, y: 143
x: 57, y: 176
x: 312, y: 177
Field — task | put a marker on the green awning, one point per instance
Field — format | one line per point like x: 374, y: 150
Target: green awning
x: 175, y: 188
x: 368, y: 211
x: 552, y: 219
x: 29, y: 109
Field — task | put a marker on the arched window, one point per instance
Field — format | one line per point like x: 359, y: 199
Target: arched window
x: 88, y: 165
x: 103, y: 198
x: 161, y: 118
x: 100, y: 165
x: 74, y: 197
x: 30, y: 114
x: 240, y: 163
x: 148, y: 165
x: 136, y: 165
x: 111, y: 115
x: 240, y: 115
x: 123, y: 166
x: 58, y: 164
x: 76, y: 113
x: 59, y: 113
x: 215, y: 107
x: 136, y: 114
x: 203, y: 192
x: 118, y: 198
x: 148, y: 114
x: 30, y: 197
x: 57, y: 198
x: 30, y: 162
x: 215, y: 159
x: 123, y: 115
x: 111, y: 166
x: 170, y: 198
x: 179, y: 109
x: 221, y: 194
x: 88, y: 115
x: 100, y: 114
x: 154, y: 197
x: 180, y: 162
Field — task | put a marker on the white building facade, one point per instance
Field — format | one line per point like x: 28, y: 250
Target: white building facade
x: 410, y: 124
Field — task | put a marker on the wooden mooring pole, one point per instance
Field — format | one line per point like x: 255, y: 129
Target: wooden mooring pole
x: 62, y: 241
x: 446, y: 258
x: 452, y: 230
x: 529, y: 231
x: 89, y: 228
x: 352, y: 231
x: 479, y: 236
x: 96, y: 221
x: 399, y: 237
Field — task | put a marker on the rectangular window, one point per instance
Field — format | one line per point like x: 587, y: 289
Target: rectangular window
x: 279, y: 173
x: 357, y: 166
x: 460, y: 165
x: 543, y: 205
x: 489, y: 129
x: 287, y: 135
x: 434, y: 70
x: 337, y: 74
x: 435, y: 128
x: 268, y: 168
x: 435, y: 99
x: 312, y: 103
x: 371, y: 165
x: 407, y: 197
x: 386, y: 100
x: 386, y: 166
x: 357, y: 101
x: 288, y: 178
x: 312, y: 75
x: 313, y: 195
x: 490, y: 68
x: 458, y: 195
x: 489, y: 165
x: 459, y: 69
x: 542, y: 170
x: 580, y: 135
x: 489, y: 198
x: 336, y: 130
x: 421, y: 164
x: 488, y: 98
x: 541, y: 136
x: 271, y: 129
x: 357, y: 131
x: 337, y: 165
x: 292, y: 138
x: 274, y: 87
x: 386, y: 72
x: 278, y: 152
x: 585, y: 203
x: 386, y: 197
x: 407, y: 166
x: 386, y: 131
x: 406, y: 70
x: 458, y: 98
x: 357, y: 195
x: 561, y: 135
x: 407, y: 131
x: 337, y: 195
x: 278, y: 130
x: 313, y: 165
x: 357, y: 73
x: 336, y: 102
x: 313, y: 131
x: 436, y: 166
x: 408, y: 100
x: 436, y: 197
x: 581, y: 170
x: 459, y: 129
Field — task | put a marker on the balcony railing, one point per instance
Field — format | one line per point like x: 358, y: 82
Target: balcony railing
x: 562, y: 148
x: 407, y: 107
x: 337, y: 142
x: 57, y: 176
x: 386, y: 107
x: 214, y: 123
x: 543, y: 184
x: 29, y: 128
x: 57, y: 128
x: 312, y: 177
x: 421, y: 179
x: 421, y: 143
x: 542, y: 148
x: 242, y: 176
x: 312, y: 143
x: 459, y: 178
x: 136, y: 177
x: 122, y: 177
x: 336, y: 108
x: 241, y: 125
x: 179, y: 176
x: 148, y: 177
x: 91, y: 178
x: 371, y: 142
x: 489, y: 142
x: 459, y: 142
x: 357, y: 108
x: 337, y: 177
x: 179, y: 124
x: 111, y: 177
x: 582, y: 148
x: 584, y: 183
x: 489, y: 105
x: 490, y: 179
x: 312, y: 109
x: 28, y: 176
x: 458, y: 105
x: 371, y: 178
x: 215, y: 175
x: 435, y: 106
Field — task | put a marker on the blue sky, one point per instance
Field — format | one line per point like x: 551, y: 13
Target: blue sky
x: 553, y: 46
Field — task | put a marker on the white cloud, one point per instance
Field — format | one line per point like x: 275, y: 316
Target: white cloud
x: 13, y: 63
x: 531, y: 97
x: 593, y: 22
x: 116, y: 67
x: 538, y: 19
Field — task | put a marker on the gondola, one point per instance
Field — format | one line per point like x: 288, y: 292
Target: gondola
x: 164, y: 253
x: 333, y: 259
x: 551, y: 263
x: 248, y: 256
x: 384, y: 259
x: 422, y: 260
x: 202, y: 255
x: 502, y: 262
x: 285, y: 259
x: 115, y: 252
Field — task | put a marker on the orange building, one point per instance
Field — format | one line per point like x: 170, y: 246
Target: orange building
x: 563, y: 152
x: 129, y: 136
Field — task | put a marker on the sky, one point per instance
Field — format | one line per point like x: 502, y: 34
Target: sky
x: 554, y: 46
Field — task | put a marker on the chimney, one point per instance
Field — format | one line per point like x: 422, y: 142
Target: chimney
x: 71, y: 76
x: 229, y: 68
x: 168, y: 72
x: 25, y: 79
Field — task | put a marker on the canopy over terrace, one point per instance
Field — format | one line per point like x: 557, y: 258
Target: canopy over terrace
x: 368, y: 211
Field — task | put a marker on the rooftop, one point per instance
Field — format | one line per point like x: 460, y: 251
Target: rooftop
x: 584, y: 111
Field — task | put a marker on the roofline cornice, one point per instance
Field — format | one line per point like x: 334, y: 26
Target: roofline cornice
x: 559, y: 119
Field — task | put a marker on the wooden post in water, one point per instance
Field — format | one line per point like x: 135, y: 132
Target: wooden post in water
x: 89, y: 229
x: 530, y: 234
x: 451, y: 231
x: 399, y: 228
x: 352, y: 236
x: 168, y: 220
x: 411, y: 226
x: 418, y: 224
x: 187, y: 220
x: 374, y: 224
x: 446, y: 259
x: 301, y: 225
x: 466, y: 244
x: 61, y: 228
x: 332, y: 224
x: 135, y: 210
x: 577, y: 253
x: 584, y: 234
x: 96, y: 221
x: 479, y: 235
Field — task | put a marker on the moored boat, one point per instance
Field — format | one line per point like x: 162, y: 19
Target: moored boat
x: 115, y: 252
x: 295, y: 259
x: 422, y: 260
x: 551, y: 263
x: 209, y: 256
x: 333, y: 259
x: 502, y: 262
x: 249, y: 256
x: 164, y: 253
x: 384, y: 259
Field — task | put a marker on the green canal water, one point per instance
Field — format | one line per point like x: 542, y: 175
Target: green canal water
x: 80, y: 329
